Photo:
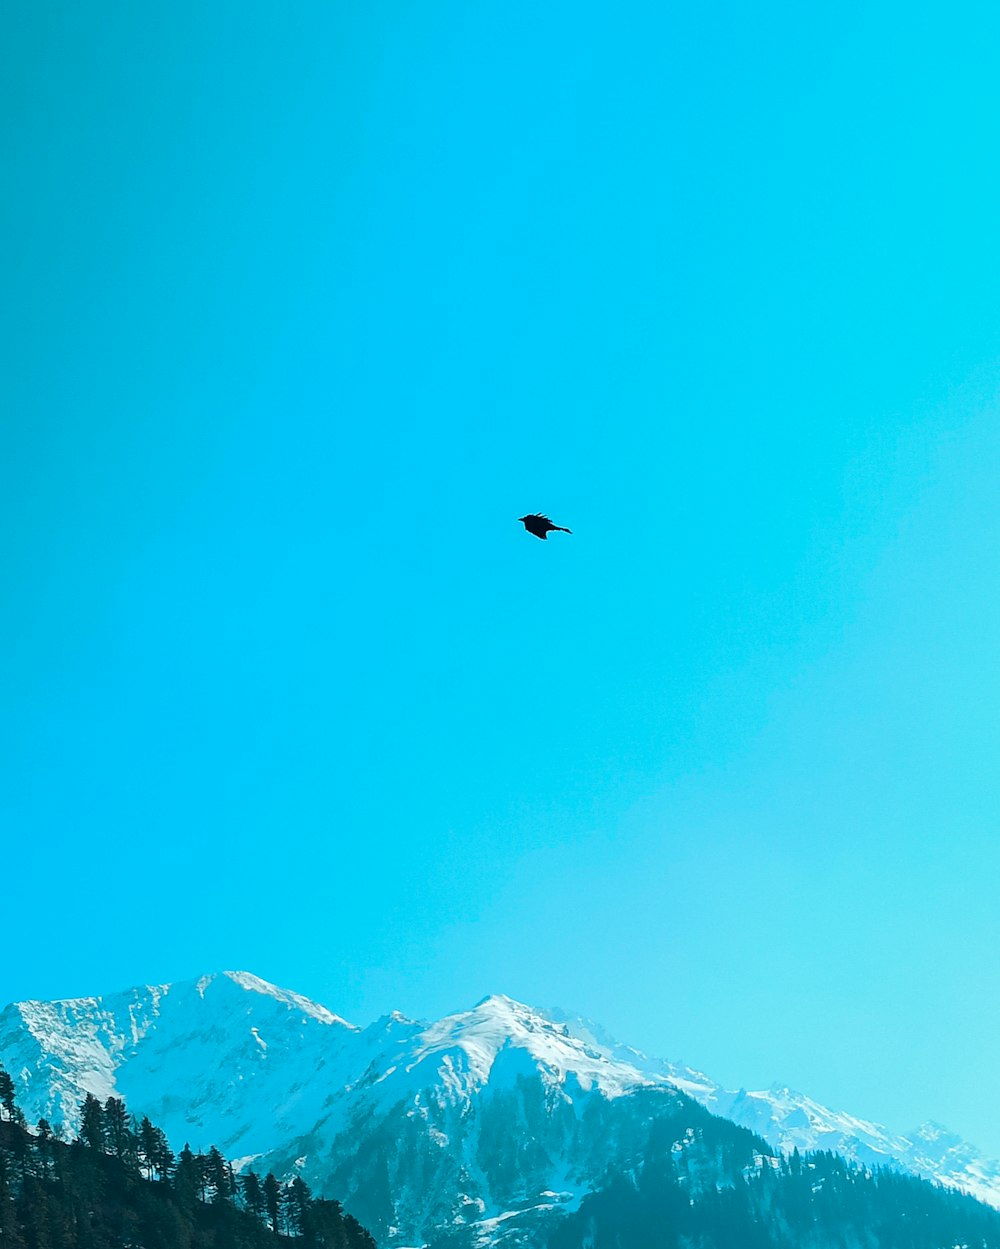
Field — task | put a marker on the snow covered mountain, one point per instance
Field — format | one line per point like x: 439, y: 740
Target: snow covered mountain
x: 788, y: 1120
x: 491, y: 1120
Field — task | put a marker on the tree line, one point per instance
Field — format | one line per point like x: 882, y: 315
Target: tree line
x: 119, y: 1185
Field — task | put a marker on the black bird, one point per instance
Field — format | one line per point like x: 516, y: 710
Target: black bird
x: 540, y: 525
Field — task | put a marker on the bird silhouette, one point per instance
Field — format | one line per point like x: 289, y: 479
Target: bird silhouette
x: 540, y: 525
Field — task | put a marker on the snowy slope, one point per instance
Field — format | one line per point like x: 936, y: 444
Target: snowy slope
x: 491, y: 1118
x: 226, y: 1059
x: 789, y: 1120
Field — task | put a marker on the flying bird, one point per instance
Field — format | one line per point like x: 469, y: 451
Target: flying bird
x: 540, y: 525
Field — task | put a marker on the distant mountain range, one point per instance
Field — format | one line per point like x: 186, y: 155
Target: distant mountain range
x: 493, y: 1121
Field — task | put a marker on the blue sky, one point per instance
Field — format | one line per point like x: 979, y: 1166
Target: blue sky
x: 304, y: 308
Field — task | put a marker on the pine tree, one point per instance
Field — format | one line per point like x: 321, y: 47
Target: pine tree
x: 357, y: 1236
x: 44, y: 1131
x: 201, y: 1163
x: 163, y: 1156
x: 117, y: 1132
x: 272, y: 1201
x: 253, y: 1194
x: 331, y: 1231
x: 187, y: 1178
x: 92, y: 1123
x: 298, y: 1202
x: 7, y: 1096
x: 219, y: 1177
x: 147, y: 1145
x: 154, y: 1150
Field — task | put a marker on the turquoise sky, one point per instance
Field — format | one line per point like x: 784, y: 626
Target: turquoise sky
x: 303, y: 306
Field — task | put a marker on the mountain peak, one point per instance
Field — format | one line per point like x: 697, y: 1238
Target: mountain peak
x: 500, y: 1034
x: 500, y: 1003
x: 247, y: 981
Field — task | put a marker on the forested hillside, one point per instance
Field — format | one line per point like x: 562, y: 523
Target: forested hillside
x: 716, y: 1191
x: 118, y: 1185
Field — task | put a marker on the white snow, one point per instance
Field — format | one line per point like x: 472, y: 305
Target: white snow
x: 482, y: 1046
x: 265, y: 1074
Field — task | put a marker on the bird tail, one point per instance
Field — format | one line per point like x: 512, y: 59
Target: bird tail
x: 561, y: 529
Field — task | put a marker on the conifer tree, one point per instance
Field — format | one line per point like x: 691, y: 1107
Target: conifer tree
x: 147, y: 1145
x: 117, y: 1132
x: 187, y: 1178
x: 357, y: 1236
x: 163, y: 1156
x: 92, y: 1123
x: 156, y: 1153
x: 7, y: 1095
x: 253, y: 1193
x: 44, y: 1132
x: 272, y: 1201
x: 201, y: 1163
x: 219, y: 1177
x: 330, y: 1227
x: 298, y: 1201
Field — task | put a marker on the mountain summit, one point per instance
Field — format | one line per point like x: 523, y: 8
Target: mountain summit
x: 492, y: 1117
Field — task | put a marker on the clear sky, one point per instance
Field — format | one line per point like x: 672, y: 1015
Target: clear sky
x: 303, y: 306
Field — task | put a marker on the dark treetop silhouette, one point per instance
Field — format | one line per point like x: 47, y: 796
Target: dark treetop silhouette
x: 540, y: 525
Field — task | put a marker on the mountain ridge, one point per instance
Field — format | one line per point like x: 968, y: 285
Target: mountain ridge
x: 402, y: 1107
